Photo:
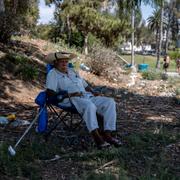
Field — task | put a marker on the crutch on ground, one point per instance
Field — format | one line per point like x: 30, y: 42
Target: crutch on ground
x: 11, y: 149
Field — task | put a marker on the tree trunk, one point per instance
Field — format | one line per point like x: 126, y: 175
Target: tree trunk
x: 178, y: 21
x: 167, y: 31
x: 15, y: 5
x: 169, y: 22
x: 69, y: 30
x: 160, y: 36
x: 86, y: 44
x: 2, y: 7
x: 132, y: 37
x: 157, y: 41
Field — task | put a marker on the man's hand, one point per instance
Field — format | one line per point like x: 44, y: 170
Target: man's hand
x: 97, y: 94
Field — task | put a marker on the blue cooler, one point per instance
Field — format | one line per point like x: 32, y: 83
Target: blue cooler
x: 143, y: 67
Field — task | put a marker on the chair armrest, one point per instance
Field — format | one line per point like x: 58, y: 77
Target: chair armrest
x: 62, y: 92
x: 99, y: 89
x: 60, y: 96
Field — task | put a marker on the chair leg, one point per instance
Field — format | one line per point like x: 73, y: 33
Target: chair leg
x: 69, y: 124
x: 48, y: 133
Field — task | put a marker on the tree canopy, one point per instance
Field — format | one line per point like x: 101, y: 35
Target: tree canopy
x: 16, y: 15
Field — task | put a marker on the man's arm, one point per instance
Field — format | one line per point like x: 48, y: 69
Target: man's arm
x: 90, y: 89
x: 95, y: 93
x: 51, y: 93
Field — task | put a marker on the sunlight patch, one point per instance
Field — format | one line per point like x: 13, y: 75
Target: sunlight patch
x: 160, y: 118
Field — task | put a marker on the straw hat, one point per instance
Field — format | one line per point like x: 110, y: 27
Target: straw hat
x: 59, y: 56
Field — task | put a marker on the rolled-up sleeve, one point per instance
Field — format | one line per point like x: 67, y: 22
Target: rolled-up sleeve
x: 85, y: 84
x: 52, y: 81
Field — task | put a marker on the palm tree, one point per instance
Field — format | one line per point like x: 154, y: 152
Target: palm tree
x: 171, y: 21
x: 159, y: 3
x: 160, y: 34
x: 135, y: 4
x: 154, y: 24
x: 168, y: 11
x: 177, y: 2
x: 130, y: 6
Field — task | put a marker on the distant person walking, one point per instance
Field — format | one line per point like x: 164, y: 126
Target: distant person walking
x: 166, y: 63
x: 178, y: 65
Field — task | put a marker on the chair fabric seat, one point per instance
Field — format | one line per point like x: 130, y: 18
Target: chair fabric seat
x: 44, y: 102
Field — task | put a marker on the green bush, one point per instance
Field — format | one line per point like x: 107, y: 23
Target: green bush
x: 93, y: 41
x: 101, y: 176
x: 22, y: 66
x: 22, y: 165
x: 177, y: 91
x: 77, y: 39
x: 174, y: 54
x: 28, y: 72
x: 151, y: 75
x: 16, y: 58
x: 42, y: 31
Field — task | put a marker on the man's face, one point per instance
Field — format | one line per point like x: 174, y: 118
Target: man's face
x: 62, y: 64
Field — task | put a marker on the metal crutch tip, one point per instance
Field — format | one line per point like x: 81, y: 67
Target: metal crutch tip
x: 11, y: 151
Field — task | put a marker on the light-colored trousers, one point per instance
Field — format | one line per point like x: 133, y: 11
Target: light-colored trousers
x: 88, y: 107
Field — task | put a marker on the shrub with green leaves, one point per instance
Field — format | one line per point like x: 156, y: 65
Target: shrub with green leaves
x: 28, y: 72
x: 177, y: 96
x: 174, y: 54
x: 177, y: 91
x: 93, y: 41
x: 16, y: 58
x: 22, y: 66
x: 151, y: 75
x: 21, y: 165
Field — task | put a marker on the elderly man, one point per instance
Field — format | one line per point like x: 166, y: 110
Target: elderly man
x: 84, y: 99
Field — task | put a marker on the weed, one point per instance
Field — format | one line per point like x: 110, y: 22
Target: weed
x: 102, y: 176
x: 22, y: 66
x: 151, y: 75
x: 28, y: 72
x: 142, y: 156
x: 16, y: 58
x: 177, y: 91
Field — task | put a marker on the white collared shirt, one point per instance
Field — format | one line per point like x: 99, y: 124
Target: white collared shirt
x: 71, y: 82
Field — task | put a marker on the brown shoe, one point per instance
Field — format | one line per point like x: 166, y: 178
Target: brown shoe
x: 101, y: 144
x: 112, y: 140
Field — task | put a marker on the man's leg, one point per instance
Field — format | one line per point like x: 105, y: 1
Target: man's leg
x: 88, y: 110
x: 107, y: 108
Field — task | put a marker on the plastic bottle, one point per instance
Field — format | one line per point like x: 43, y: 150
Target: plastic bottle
x: 84, y: 67
x: 5, y: 120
